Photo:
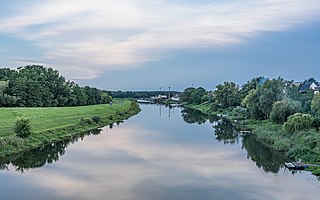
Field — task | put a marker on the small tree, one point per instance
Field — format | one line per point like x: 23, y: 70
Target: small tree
x: 298, y: 122
x: 22, y: 127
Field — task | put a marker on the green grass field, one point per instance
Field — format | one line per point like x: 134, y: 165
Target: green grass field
x: 57, y: 123
x: 43, y: 119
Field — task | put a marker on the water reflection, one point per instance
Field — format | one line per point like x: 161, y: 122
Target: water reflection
x: 166, y: 106
x: 224, y: 131
x: 192, y: 116
x: 41, y: 156
x: 264, y: 157
x: 152, y: 157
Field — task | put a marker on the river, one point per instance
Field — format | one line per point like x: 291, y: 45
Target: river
x: 160, y: 154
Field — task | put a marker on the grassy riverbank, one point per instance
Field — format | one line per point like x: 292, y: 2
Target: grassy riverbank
x: 303, y: 145
x: 58, y: 123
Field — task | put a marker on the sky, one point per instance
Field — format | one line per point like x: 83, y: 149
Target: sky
x: 145, y: 45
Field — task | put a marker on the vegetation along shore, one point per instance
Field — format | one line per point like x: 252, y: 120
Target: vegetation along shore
x: 39, y: 107
x: 284, y: 115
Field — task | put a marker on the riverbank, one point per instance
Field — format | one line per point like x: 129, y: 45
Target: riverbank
x: 303, y: 145
x: 58, y: 123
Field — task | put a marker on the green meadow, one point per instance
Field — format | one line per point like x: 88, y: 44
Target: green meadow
x: 57, y: 123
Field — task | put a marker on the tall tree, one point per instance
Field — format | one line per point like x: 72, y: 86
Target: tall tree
x: 251, y: 102
x: 186, y: 95
x: 251, y: 85
x: 227, y: 95
x: 36, y: 85
x: 270, y: 92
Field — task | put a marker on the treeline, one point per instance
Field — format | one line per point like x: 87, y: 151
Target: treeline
x: 140, y: 94
x: 279, y: 100
x: 37, y: 86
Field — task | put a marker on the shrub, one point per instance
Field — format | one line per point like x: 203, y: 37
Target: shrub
x: 86, y: 121
x: 281, y: 110
x: 10, y: 141
x: 240, y: 113
x: 298, y: 122
x: 96, y: 119
x: 22, y: 127
x: 316, y: 172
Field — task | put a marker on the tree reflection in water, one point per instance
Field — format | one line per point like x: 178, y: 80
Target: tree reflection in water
x: 225, y: 131
x: 264, y: 157
x: 192, y: 116
x: 41, y: 156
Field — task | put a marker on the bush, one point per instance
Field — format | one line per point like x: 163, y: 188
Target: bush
x: 96, y: 119
x: 298, y: 122
x: 10, y: 141
x: 22, y: 127
x: 86, y: 121
x: 281, y: 110
x: 240, y: 113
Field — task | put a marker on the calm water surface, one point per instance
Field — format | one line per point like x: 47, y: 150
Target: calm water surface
x: 157, y: 154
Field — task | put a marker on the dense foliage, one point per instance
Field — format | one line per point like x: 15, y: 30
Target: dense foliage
x: 227, y: 95
x: 298, y: 122
x: 193, y: 95
x: 259, y: 99
x: 315, y: 104
x: 37, y: 86
x: 281, y: 110
x: 283, y: 114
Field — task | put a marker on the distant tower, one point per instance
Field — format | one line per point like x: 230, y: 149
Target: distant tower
x: 169, y: 93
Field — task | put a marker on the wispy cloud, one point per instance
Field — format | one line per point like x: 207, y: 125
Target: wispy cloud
x: 89, y: 37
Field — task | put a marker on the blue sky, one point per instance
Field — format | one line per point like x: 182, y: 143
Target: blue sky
x: 144, y: 45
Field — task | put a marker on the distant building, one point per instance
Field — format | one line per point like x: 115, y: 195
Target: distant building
x: 175, y: 98
x: 297, y: 84
x: 313, y: 86
x: 262, y: 80
x: 159, y: 97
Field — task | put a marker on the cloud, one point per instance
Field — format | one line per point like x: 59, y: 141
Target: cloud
x: 94, y: 36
